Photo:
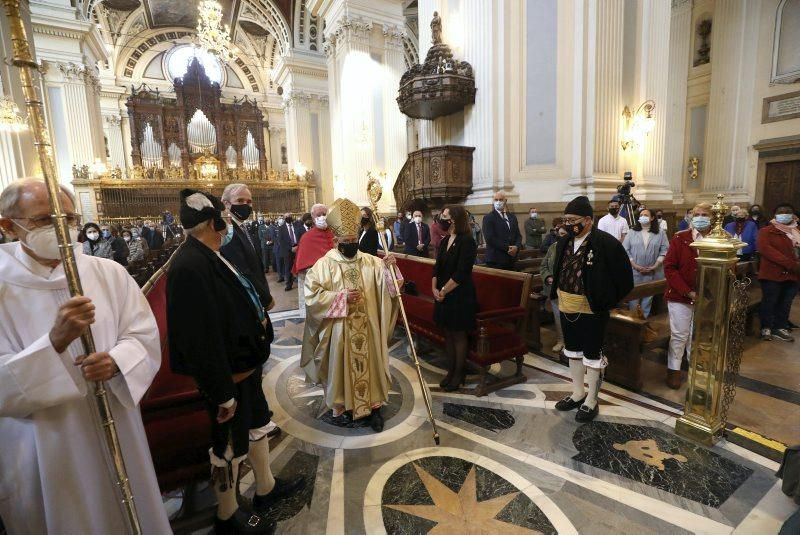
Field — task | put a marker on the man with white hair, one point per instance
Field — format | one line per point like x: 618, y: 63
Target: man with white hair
x: 53, y: 474
x: 315, y: 243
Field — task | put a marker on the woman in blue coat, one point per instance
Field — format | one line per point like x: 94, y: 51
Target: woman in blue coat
x: 745, y: 229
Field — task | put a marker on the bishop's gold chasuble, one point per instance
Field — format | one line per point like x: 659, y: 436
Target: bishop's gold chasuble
x: 345, y: 345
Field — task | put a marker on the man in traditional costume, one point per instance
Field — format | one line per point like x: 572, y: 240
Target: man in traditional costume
x: 219, y: 334
x: 54, y: 477
x: 592, y: 274
x: 351, y: 307
x: 313, y: 246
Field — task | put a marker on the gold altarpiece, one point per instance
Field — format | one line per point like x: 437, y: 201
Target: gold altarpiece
x: 195, y: 140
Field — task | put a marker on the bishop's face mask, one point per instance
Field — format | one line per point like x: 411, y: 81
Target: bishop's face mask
x: 349, y: 250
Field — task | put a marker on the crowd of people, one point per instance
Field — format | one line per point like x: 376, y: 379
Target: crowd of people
x: 218, y: 302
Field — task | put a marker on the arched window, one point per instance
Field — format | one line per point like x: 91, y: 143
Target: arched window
x: 179, y: 58
x: 786, y: 50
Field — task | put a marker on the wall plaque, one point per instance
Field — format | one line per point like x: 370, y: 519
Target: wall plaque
x: 781, y: 107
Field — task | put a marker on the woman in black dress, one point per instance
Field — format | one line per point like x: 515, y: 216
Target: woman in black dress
x: 368, y: 239
x: 456, y: 301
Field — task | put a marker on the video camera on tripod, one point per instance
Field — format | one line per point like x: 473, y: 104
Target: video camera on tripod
x: 627, y: 202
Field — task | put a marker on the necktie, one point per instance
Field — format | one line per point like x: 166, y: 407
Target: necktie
x: 291, y: 233
x: 419, y: 233
x: 506, y: 220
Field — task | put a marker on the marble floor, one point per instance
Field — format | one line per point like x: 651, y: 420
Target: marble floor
x: 507, y: 463
x: 768, y: 393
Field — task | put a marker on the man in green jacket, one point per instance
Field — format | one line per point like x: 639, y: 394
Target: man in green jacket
x: 534, y: 230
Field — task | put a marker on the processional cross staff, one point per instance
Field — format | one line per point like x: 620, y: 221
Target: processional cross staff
x: 374, y: 192
x: 23, y: 59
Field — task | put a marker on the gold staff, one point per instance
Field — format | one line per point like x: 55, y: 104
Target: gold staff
x: 375, y: 191
x: 26, y: 64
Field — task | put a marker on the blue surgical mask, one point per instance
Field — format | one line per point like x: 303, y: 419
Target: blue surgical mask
x: 644, y: 220
x: 226, y: 239
x: 701, y: 222
x: 106, y: 234
x: 784, y: 219
x: 498, y: 205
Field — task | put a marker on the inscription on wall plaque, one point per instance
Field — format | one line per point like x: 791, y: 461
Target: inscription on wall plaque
x: 781, y: 107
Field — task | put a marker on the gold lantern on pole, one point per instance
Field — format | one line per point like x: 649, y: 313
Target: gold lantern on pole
x: 717, y: 333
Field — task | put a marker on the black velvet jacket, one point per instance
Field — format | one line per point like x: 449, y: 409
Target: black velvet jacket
x: 213, y: 326
x: 247, y: 259
x: 607, y: 272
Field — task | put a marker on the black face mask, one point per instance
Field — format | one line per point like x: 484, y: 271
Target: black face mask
x: 241, y: 211
x: 445, y: 224
x: 574, y: 230
x: 288, y: 220
x: 349, y: 250
x: 613, y: 211
x: 364, y: 221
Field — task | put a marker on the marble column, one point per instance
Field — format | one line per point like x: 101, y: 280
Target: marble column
x: 732, y: 44
x: 325, y: 178
x: 608, y: 97
x: 297, y: 111
x: 275, y: 147
x: 116, y: 145
x: 651, y: 182
x: 674, y: 115
x: 394, y: 122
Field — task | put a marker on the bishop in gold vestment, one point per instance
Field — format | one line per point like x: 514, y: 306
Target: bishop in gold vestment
x: 351, y: 313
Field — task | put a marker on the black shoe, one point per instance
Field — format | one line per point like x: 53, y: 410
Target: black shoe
x: 455, y: 384
x: 288, y: 288
x: 376, y: 420
x: 783, y: 335
x: 282, y: 489
x: 585, y: 414
x: 447, y: 378
x: 343, y: 420
x: 281, y: 279
x: 276, y: 432
x: 243, y: 523
x: 568, y: 404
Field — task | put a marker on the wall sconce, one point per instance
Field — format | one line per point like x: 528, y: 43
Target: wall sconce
x: 638, y: 124
x: 693, y: 169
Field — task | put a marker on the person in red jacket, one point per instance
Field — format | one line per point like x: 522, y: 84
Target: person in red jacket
x: 680, y: 270
x: 779, y: 272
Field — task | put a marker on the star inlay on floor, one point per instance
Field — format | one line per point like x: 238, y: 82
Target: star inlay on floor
x: 289, y: 332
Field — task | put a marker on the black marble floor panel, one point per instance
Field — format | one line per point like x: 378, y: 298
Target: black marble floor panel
x: 301, y: 464
x: 659, y: 459
x: 485, y: 417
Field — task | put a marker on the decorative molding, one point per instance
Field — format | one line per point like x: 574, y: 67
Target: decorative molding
x: 680, y: 3
x: 393, y: 37
x: 350, y: 30
x: 296, y: 99
x: 113, y: 120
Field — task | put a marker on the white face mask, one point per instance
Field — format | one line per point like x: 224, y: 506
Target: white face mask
x: 321, y: 221
x: 408, y: 216
x: 498, y: 205
x: 644, y: 220
x: 126, y: 238
x: 534, y: 215
x: 92, y: 235
x: 418, y: 220
x: 280, y: 222
x: 44, y: 243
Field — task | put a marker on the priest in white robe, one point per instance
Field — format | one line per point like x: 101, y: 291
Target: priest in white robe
x: 352, y: 308
x: 54, y: 477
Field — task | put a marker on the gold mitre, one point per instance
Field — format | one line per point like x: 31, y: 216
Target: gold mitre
x: 344, y: 218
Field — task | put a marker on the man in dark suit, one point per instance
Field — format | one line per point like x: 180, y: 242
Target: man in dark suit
x: 242, y: 250
x: 417, y: 236
x: 502, y: 235
x: 153, y: 236
x: 288, y: 238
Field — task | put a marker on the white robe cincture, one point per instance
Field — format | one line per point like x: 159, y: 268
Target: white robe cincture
x: 54, y: 477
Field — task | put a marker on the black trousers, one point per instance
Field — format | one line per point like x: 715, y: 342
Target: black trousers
x: 286, y: 273
x: 585, y: 332
x: 252, y: 412
x: 776, y: 303
x: 508, y: 266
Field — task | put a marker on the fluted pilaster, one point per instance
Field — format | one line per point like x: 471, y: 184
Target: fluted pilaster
x: 726, y: 84
x: 674, y: 115
x: 394, y: 122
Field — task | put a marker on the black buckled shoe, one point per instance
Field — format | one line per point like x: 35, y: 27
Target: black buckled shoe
x: 274, y: 432
x: 242, y: 523
x: 585, y: 414
x: 376, y: 420
x: 282, y: 489
x: 568, y: 404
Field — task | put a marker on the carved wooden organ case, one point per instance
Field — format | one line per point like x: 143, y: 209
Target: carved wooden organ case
x: 170, y: 134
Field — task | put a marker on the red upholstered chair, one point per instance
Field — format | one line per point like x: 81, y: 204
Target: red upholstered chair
x: 174, y: 415
x: 503, y: 300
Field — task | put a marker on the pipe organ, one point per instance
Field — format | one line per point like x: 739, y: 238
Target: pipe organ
x: 194, y: 140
